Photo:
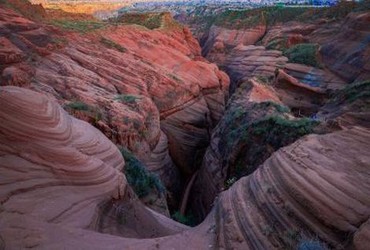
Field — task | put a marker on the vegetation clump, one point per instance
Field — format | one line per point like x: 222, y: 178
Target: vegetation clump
x: 90, y: 111
x: 78, y: 106
x: 271, y: 15
x: 250, y: 134
x: 304, y: 53
x: 148, y: 20
x: 352, y: 93
x: 184, y: 219
x: 130, y: 99
x: 82, y: 26
x: 140, y: 179
x: 112, y: 45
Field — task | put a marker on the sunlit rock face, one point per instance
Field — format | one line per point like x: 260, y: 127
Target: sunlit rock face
x: 60, y: 172
x: 344, y: 43
x: 130, y: 82
x: 220, y: 40
x: 316, y: 186
x: 61, y: 176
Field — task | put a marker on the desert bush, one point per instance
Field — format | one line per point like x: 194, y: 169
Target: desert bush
x: 90, y: 111
x: 77, y: 105
x: 81, y: 26
x: 249, y: 135
x: 140, y: 179
x: 304, y: 53
x: 131, y: 99
x: 112, y: 45
x: 184, y: 219
x: 148, y: 20
x: 353, y: 92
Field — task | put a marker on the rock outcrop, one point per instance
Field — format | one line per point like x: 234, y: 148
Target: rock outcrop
x: 302, y: 88
x: 60, y: 172
x: 345, y: 47
x: 62, y: 187
x: 348, y: 107
x: 133, y: 84
x: 316, y: 187
x: 344, y: 44
x: 256, y: 123
x: 220, y: 40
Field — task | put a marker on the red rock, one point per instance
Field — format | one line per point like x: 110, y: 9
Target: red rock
x: 132, y: 82
x: 220, y: 40
x: 61, y: 179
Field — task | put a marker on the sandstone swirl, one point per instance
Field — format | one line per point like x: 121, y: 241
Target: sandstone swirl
x: 315, y: 187
x: 62, y: 187
x: 61, y: 174
x: 148, y: 90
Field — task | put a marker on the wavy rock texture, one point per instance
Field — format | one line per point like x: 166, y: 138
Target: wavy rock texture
x: 60, y: 172
x: 244, y: 62
x: 348, y: 107
x: 344, y: 44
x: 126, y: 80
x: 345, y: 47
x: 315, y: 187
x: 285, y: 36
x: 62, y: 188
x: 302, y: 88
x: 255, y: 124
x: 219, y: 40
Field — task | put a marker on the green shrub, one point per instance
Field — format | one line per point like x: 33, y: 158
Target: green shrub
x: 140, y: 179
x: 272, y: 127
x: 229, y: 182
x: 277, y: 44
x: 112, y: 45
x: 127, y: 98
x: 78, y: 106
x: 81, y: 26
x: 148, y: 20
x: 249, y: 135
x: 304, y: 53
x: 91, y: 111
x: 174, y: 77
x: 353, y: 92
x: 184, y: 219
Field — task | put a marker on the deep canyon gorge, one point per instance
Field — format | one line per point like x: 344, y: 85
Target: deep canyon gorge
x: 197, y: 130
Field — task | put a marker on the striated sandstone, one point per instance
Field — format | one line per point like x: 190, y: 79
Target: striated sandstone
x: 219, y: 41
x: 256, y: 123
x: 312, y: 189
x: 61, y: 172
x: 126, y: 80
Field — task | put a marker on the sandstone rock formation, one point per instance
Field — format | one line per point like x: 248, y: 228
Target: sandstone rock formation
x: 314, y: 187
x: 302, y: 88
x: 344, y: 43
x: 132, y: 83
x: 346, y: 53
x: 60, y: 172
x: 62, y: 188
x: 255, y: 124
x: 348, y: 107
x: 141, y: 81
x: 220, y: 40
